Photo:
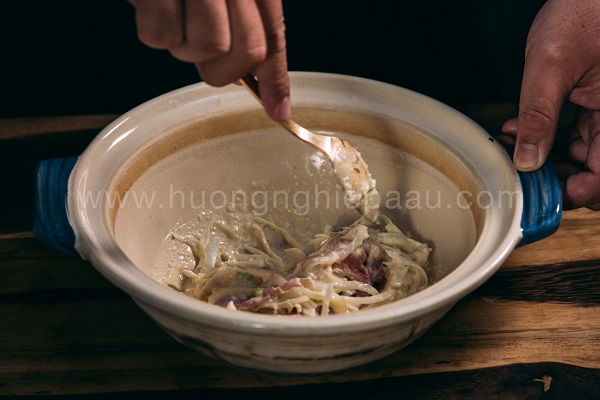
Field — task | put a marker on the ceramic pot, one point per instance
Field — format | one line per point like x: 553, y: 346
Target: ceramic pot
x: 443, y: 179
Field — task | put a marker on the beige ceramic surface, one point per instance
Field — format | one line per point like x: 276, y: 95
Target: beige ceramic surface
x: 199, y: 140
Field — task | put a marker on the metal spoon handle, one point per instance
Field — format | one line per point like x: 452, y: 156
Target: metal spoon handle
x: 251, y: 84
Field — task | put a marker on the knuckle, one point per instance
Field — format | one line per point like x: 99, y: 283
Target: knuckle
x: 553, y: 54
x: 536, y: 117
x: 276, y: 42
x: 255, y: 54
x: 213, y: 49
x: 551, y: 51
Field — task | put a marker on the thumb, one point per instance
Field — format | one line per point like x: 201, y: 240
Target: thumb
x: 542, y: 97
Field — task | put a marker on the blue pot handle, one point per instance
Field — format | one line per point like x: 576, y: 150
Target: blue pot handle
x: 542, y: 202
x: 51, y: 224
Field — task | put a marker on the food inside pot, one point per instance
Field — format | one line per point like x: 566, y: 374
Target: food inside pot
x: 247, y: 263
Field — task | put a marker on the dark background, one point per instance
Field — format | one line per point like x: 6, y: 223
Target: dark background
x: 83, y: 56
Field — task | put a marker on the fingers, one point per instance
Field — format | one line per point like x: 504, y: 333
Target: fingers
x: 542, y: 97
x: 511, y: 126
x: 273, y: 78
x: 551, y: 71
x: 582, y: 135
x: 207, y: 31
x: 159, y: 23
x: 582, y: 189
x: 225, y: 39
x: 578, y: 151
x: 248, y: 45
x: 192, y: 30
x: 258, y: 45
x: 594, y: 207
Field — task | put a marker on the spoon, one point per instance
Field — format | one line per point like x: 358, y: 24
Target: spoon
x: 348, y: 165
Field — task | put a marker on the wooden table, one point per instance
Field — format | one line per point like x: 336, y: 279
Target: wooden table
x: 532, y: 331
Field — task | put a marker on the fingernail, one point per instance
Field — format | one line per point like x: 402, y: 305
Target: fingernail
x: 283, y: 109
x: 527, y: 156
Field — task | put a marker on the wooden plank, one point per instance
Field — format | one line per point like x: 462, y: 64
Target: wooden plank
x: 19, y: 128
x: 578, y: 238
x: 522, y: 381
x: 81, y: 335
